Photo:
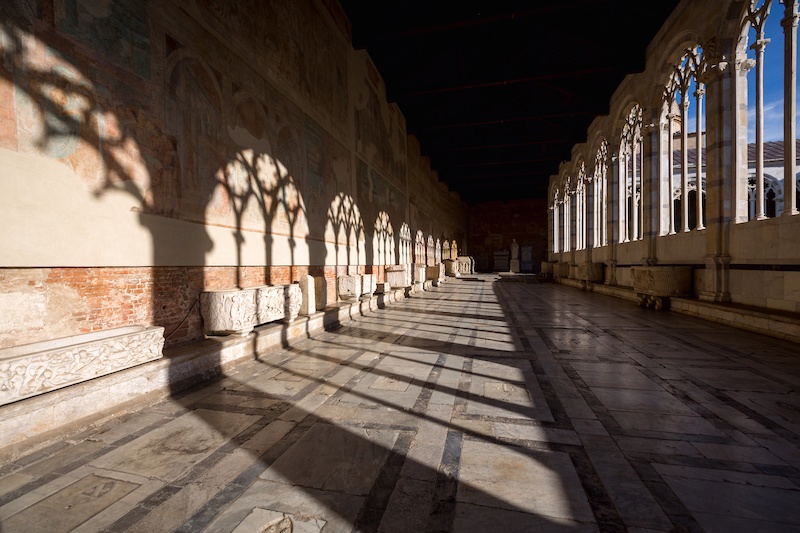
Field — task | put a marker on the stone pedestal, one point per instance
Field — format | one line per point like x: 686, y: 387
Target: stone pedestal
x: 383, y: 288
x: 514, y: 265
x: 548, y: 268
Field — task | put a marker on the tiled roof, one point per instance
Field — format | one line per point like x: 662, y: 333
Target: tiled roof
x: 773, y: 151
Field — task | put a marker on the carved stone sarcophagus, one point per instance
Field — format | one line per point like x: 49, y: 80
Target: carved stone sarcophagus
x: 31, y: 369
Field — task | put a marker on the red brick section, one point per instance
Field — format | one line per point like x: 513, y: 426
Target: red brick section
x: 8, y: 119
x: 93, y: 299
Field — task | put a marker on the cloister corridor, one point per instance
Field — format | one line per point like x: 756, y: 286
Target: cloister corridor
x: 486, y: 404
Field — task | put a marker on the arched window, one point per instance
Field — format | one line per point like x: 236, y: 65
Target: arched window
x: 581, y: 207
x: 630, y: 177
x: 686, y: 138
x: 768, y: 54
x: 599, y: 196
x: 404, y: 255
x: 556, y: 214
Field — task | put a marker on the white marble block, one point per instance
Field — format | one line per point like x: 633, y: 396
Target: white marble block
x: 396, y: 276
x: 227, y: 312
x: 420, y: 273
x: 349, y: 287
x: 308, y: 306
x: 31, y: 369
x: 368, y: 282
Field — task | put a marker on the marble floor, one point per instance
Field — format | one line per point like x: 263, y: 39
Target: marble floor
x: 482, y: 405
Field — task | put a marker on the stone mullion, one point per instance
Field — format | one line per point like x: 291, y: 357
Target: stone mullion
x: 634, y: 177
x: 789, y: 24
x: 699, y: 154
x: 671, y: 132
x: 685, y: 162
x: 759, y: 46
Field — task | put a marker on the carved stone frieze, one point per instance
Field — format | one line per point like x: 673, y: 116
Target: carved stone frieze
x: 270, y: 304
x: 229, y: 311
x: 238, y: 311
x: 32, y: 369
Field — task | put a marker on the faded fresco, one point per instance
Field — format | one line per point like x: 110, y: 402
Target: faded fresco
x: 118, y: 29
x: 380, y: 133
x: 297, y: 44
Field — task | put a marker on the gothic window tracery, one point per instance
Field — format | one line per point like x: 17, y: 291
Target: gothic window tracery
x: 686, y: 140
x: 599, y: 196
x: 630, y: 182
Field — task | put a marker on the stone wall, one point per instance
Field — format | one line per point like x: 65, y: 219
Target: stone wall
x: 152, y: 150
x: 494, y: 225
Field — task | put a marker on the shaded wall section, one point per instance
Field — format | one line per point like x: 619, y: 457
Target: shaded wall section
x: 155, y: 149
x: 493, y: 226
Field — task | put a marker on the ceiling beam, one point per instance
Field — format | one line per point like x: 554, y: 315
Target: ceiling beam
x: 509, y: 120
x: 501, y: 83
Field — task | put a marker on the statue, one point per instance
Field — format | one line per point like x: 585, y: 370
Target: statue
x: 514, y: 249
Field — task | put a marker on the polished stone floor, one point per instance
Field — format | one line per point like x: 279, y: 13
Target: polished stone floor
x: 483, y: 405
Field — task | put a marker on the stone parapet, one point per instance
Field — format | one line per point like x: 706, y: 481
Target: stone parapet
x: 32, y: 369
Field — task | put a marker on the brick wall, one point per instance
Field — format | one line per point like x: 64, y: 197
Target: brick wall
x: 44, y: 303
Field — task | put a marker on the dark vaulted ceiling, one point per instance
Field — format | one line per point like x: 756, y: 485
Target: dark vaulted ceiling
x: 498, y: 92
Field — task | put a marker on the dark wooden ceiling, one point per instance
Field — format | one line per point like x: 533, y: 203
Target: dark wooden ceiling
x: 498, y: 92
